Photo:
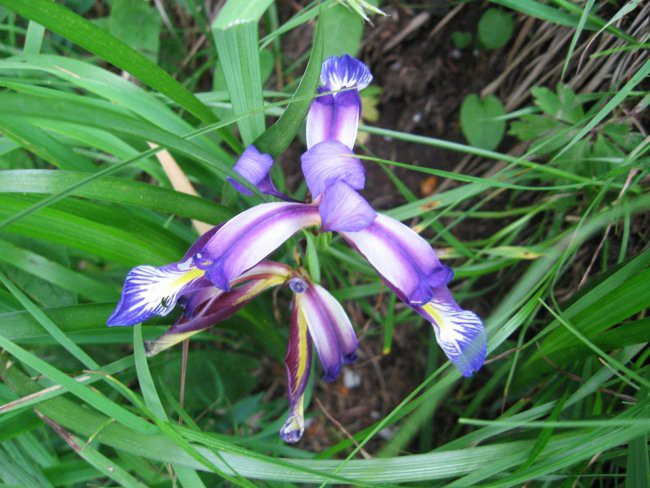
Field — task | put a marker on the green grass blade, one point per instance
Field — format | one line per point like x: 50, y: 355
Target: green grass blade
x: 277, y: 138
x: 49, y: 326
x: 66, y: 23
x: 117, y: 190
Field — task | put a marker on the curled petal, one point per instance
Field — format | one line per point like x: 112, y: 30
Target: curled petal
x: 150, y: 291
x: 249, y: 237
x: 297, y: 363
x: 208, y: 306
x: 254, y: 167
x: 340, y: 72
x: 329, y: 328
x: 333, y: 118
x: 329, y: 162
x: 404, y: 259
x: 460, y: 333
x: 345, y: 334
x: 343, y: 209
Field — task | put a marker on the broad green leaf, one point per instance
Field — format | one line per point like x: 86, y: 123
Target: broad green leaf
x: 118, y: 190
x: 236, y: 37
x: 344, y: 31
x: 479, y: 119
x: 137, y: 24
x: 103, y: 240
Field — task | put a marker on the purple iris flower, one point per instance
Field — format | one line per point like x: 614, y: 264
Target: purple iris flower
x: 225, y: 268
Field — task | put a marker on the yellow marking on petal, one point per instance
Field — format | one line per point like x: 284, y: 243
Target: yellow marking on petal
x: 437, y: 316
x: 302, y: 351
x: 185, y: 278
x: 166, y: 341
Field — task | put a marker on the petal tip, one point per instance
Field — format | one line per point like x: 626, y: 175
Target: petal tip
x: 292, y: 430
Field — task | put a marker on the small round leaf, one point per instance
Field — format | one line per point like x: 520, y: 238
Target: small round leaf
x: 479, y: 121
x: 494, y: 28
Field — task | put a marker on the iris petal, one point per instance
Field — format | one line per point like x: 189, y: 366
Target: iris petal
x: 343, y: 209
x: 460, y: 333
x: 254, y: 167
x: 345, y: 334
x: 150, y: 291
x: 334, y: 118
x: 297, y: 364
x: 249, y: 237
x: 344, y: 72
x: 329, y: 162
x: 207, y: 306
x: 404, y: 259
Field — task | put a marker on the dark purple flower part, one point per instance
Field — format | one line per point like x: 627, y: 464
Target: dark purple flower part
x: 335, y: 116
x: 209, y: 305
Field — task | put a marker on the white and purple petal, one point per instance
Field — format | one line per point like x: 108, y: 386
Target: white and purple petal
x: 248, y: 238
x: 340, y: 322
x: 297, y: 363
x: 343, y: 209
x: 460, y: 333
x: 329, y: 162
x: 340, y: 72
x: 404, y: 259
x: 329, y: 329
x: 334, y: 118
x: 150, y: 291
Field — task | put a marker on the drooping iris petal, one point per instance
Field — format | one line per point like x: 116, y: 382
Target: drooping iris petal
x: 329, y: 162
x: 254, y: 167
x: 297, y: 363
x: 329, y: 329
x: 460, y: 333
x: 334, y: 117
x: 344, y: 72
x: 340, y: 322
x: 150, y: 291
x: 249, y: 237
x: 208, y: 306
x: 404, y: 259
x: 343, y: 209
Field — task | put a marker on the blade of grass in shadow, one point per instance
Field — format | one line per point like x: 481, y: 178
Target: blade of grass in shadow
x: 66, y: 23
x: 187, y: 476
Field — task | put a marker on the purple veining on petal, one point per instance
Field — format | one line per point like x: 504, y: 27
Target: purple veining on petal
x: 343, y: 209
x: 254, y: 167
x: 251, y: 236
x: 344, y: 72
x: 460, y: 333
x: 329, y: 162
x: 150, y: 291
x: 403, y: 258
